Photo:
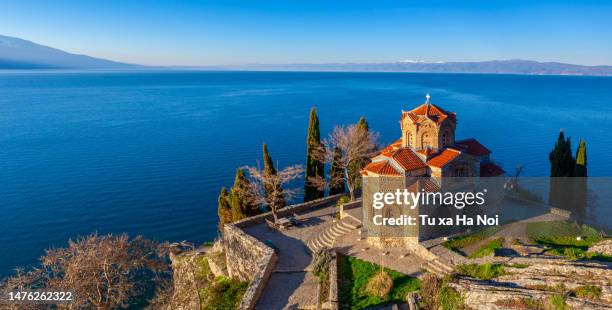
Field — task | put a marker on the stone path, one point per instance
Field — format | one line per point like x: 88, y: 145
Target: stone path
x: 291, y: 285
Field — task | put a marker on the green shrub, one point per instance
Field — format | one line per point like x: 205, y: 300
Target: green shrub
x: 450, y: 299
x: 486, y: 271
x: 224, y: 293
x: 202, y: 269
x: 343, y: 200
x: 557, y: 302
x: 216, y: 293
x: 590, y: 292
x: 488, y: 248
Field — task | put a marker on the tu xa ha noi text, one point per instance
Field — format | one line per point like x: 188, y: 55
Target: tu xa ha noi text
x: 412, y: 200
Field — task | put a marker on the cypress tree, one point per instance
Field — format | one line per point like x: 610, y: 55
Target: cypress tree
x: 362, y: 123
x: 336, y: 179
x: 580, y: 180
x: 275, y: 194
x: 314, y: 167
x: 580, y: 169
x: 237, y: 203
x: 223, y: 208
x: 561, y: 167
x: 241, y: 197
x: 561, y: 160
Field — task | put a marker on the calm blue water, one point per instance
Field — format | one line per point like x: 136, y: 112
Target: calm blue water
x: 146, y: 153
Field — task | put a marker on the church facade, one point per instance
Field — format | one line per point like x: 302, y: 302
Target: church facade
x: 427, y: 157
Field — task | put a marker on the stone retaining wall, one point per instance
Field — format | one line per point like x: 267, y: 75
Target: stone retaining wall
x: 288, y: 210
x: 334, y: 298
x: 560, y: 212
x: 249, y: 259
x: 257, y: 285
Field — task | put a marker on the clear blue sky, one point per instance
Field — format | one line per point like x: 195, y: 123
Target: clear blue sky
x: 289, y: 31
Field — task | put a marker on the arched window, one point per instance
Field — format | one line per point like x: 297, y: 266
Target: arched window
x: 409, y: 135
x: 425, y: 143
x: 444, y: 139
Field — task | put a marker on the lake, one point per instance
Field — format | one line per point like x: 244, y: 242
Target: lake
x: 147, y: 152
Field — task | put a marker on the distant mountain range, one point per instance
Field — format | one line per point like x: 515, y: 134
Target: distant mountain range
x: 516, y: 66
x: 17, y: 53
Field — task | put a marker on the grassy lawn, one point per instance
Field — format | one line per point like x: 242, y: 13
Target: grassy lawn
x: 353, y: 276
x: 567, y: 239
x: 458, y: 243
x: 488, y: 248
x: 483, y: 271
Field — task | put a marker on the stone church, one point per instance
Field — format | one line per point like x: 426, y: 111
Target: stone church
x: 427, y: 157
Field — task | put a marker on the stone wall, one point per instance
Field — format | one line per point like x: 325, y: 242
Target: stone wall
x: 334, y: 298
x: 249, y: 259
x: 185, y: 292
x: 296, y: 208
x: 560, y: 212
x: 257, y: 285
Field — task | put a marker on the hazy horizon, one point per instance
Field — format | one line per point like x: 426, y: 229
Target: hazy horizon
x: 211, y: 33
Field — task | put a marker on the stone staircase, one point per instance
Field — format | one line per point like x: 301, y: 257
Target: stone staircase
x: 327, y: 237
x: 438, y: 267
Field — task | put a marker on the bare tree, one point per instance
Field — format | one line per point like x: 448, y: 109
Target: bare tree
x: 268, y: 188
x: 103, y: 272
x: 354, y: 143
x: 22, y: 281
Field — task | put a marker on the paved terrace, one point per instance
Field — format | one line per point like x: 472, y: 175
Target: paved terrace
x: 290, y: 284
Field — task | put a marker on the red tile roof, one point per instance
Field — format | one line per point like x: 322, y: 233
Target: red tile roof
x: 430, y: 111
x: 490, y: 170
x: 381, y: 167
x: 473, y: 147
x: 406, y: 158
x: 392, y: 147
x: 443, y: 158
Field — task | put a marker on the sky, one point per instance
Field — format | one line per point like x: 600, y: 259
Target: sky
x: 192, y: 33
